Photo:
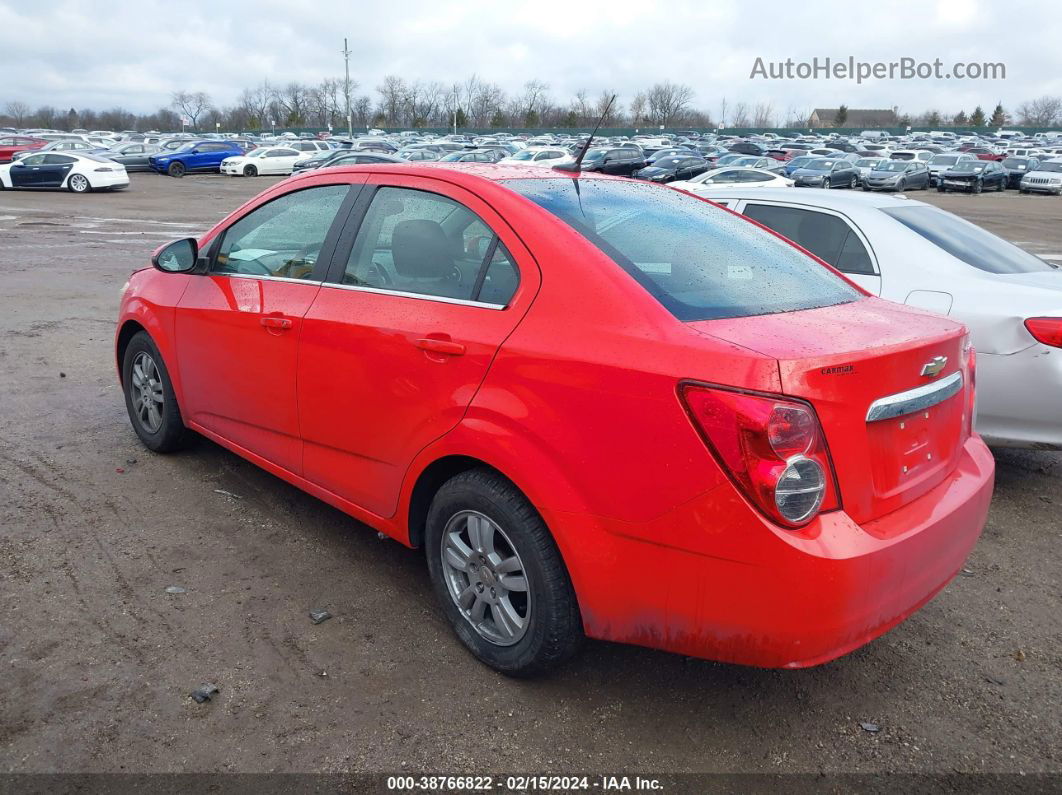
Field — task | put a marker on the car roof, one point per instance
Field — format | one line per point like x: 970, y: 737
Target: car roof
x: 834, y: 200
x: 466, y: 174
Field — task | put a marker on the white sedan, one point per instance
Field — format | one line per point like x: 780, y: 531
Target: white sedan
x: 264, y: 160
x: 547, y: 156
x: 75, y: 172
x: 914, y: 253
x: 731, y: 178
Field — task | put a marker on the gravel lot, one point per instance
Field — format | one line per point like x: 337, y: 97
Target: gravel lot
x: 97, y: 660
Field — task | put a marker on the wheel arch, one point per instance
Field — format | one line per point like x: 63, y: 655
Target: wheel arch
x: 428, y: 483
x: 128, y: 330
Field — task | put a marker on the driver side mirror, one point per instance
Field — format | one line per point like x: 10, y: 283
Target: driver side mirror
x: 180, y: 256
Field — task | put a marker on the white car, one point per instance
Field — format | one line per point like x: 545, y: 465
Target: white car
x: 538, y: 156
x: 1046, y: 179
x: 75, y: 172
x: 729, y: 177
x: 265, y: 160
x: 914, y: 253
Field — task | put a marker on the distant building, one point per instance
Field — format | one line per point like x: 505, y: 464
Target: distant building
x: 862, y: 118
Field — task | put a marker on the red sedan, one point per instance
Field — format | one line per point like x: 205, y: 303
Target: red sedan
x: 601, y: 407
x: 11, y: 145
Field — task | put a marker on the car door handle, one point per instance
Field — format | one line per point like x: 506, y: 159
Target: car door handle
x: 272, y: 321
x: 448, y: 347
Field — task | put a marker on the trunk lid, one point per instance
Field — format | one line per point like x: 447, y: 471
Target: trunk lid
x: 844, y: 358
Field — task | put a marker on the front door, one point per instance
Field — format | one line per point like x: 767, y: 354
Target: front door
x: 27, y: 172
x: 238, y: 326
x: 399, y: 339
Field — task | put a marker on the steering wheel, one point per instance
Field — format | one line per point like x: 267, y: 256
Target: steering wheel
x: 301, y: 259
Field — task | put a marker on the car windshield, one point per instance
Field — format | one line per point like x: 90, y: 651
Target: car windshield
x: 892, y: 165
x: 259, y: 152
x: 944, y: 160
x: 1055, y: 167
x: 966, y: 241
x: 867, y: 162
x: 1015, y: 162
x: 523, y: 154
x: 668, y: 162
x: 594, y: 154
x: 820, y: 165
x: 698, y: 261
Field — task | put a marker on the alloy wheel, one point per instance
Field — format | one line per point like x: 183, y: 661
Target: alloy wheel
x: 145, y: 390
x: 79, y: 183
x: 486, y: 577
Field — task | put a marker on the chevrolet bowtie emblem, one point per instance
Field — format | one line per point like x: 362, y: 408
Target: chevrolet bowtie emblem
x: 934, y: 366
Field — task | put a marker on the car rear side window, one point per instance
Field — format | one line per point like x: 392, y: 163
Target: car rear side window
x: 414, y: 241
x: 696, y: 260
x: 967, y: 242
x: 826, y: 236
x: 282, y: 238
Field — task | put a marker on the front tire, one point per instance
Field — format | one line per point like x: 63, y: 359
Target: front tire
x: 826, y: 183
x: 499, y: 576
x: 78, y: 183
x: 176, y: 170
x: 250, y: 171
x: 852, y: 184
x: 977, y: 187
x: 149, y: 396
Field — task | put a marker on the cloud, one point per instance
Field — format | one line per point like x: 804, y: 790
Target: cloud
x: 76, y: 53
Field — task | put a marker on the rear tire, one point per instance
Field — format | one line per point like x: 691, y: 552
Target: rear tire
x: 78, y: 183
x: 149, y: 396
x: 176, y: 170
x: 483, y: 533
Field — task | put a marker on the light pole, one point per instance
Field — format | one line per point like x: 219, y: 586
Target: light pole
x: 346, y: 88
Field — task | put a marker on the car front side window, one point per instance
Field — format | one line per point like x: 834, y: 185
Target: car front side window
x: 282, y: 238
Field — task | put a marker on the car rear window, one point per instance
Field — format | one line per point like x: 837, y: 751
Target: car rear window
x: 697, y: 260
x: 966, y: 241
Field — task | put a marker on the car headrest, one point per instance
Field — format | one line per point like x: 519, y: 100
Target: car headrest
x: 420, y: 249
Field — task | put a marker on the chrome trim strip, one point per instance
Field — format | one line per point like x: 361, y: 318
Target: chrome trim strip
x: 265, y: 278
x: 419, y: 296
x: 916, y: 399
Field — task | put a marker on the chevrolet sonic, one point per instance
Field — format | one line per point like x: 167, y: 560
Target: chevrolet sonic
x: 602, y: 407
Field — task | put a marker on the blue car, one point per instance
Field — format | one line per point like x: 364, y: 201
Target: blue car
x: 797, y: 162
x: 194, y: 156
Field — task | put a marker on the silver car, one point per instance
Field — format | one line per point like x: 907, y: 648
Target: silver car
x: 1046, y: 179
x: 914, y: 253
x: 938, y: 164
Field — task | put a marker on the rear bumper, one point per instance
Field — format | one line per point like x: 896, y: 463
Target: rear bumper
x: 789, y: 601
x: 114, y: 179
x: 1019, y: 398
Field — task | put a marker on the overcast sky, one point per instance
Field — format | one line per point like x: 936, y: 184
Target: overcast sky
x: 100, y: 54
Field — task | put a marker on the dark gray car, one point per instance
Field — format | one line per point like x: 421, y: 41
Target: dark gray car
x: 133, y: 156
x: 897, y: 175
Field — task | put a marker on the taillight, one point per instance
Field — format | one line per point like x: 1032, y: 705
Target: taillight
x: 772, y: 447
x: 1047, y: 330
x: 971, y: 385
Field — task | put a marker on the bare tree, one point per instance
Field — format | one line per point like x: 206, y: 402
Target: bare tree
x: 534, y: 100
x: 18, y: 111
x: 639, y: 106
x: 668, y: 102
x: 393, y: 97
x: 740, y: 115
x: 1042, y: 112
x: 722, y: 111
x: 602, y: 105
x: 763, y: 115
x: 191, y: 104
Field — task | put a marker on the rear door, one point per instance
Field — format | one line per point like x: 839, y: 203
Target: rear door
x: 55, y: 169
x: 402, y: 333
x: 828, y: 235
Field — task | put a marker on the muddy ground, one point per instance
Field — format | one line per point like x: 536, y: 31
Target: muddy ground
x: 97, y: 659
